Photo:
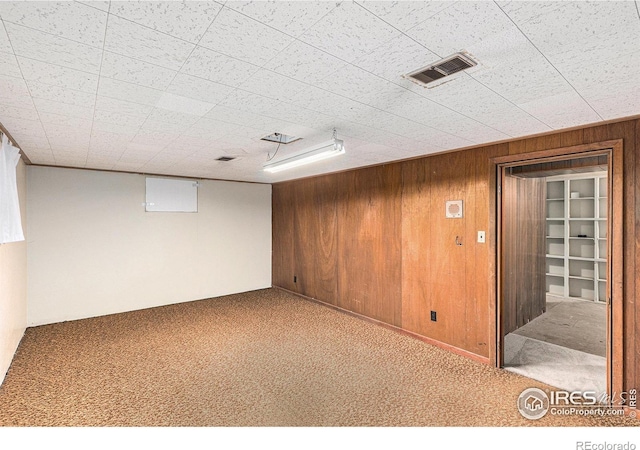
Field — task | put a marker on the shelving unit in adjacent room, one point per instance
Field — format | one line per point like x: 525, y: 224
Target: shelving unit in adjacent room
x: 576, y: 241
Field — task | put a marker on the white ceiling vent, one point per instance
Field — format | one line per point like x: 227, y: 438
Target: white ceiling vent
x: 443, y: 68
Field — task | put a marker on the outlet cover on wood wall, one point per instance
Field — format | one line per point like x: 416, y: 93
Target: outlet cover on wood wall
x: 454, y: 209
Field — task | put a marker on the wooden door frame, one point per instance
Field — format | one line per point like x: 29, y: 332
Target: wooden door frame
x: 613, y: 149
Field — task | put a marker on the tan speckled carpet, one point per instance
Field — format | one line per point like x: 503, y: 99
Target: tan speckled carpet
x: 264, y: 358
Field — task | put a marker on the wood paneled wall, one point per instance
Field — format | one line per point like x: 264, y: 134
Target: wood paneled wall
x: 375, y: 241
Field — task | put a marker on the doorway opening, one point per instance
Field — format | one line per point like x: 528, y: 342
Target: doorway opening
x: 559, y: 238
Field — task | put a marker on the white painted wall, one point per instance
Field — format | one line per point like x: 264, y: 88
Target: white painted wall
x: 93, y: 250
x: 13, y: 285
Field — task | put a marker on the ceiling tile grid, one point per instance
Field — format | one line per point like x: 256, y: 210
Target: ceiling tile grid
x: 167, y: 87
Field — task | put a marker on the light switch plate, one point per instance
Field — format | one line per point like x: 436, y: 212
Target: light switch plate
x: 481, y: 237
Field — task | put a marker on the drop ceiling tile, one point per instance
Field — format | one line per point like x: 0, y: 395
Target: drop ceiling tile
x: 208, y: 130
x: 70, y: 20
x: 440, y: 139
x: 61, y: 94
x: 235, y: 116
x: 301, y: 116
x: 124, y: 120
x: 33, y: 150
x: 135, y: 93
x: 557, y: 23
x: 184, y: 105
x: 526, y: 81
x: 199, y: 88
x: 71, y: 161
x: 102, y: 5
x: 185, y: 145
x: 103, y: 142
x: 357, y: 84
x: 42, y: 158
x: 65, y: 120
x: 184, y: 20
x: 290, y: 17
x: 51, y: 106
x: 128, y: 166
x: 273, y: 85
x: 5, y: 45
x: 53, y: 49
x: 66, y: 141
x: 22, y: 128
x: 237, y: 35
x: 12, y: 88
x: 591, y: 70
x: 405, y: 15
x: 397, y: 57
x: 173, y: 117
x: 617, y: 104
x: 138, y: 42
x: 214, y: 66
x: 401, y: 127
x: 503, y: 49
x: 70, y: 155
x: 122, y: 106
x: 153, y: 139
x: 512, y: 121
x: 9, y: 65
x: 328, y: 103
x: 135, y: 71
x: 67, y: 135
x: 467, y: 96
x: 109, y: 149
x: 456, y: 124
x: 231, y: 143
x: 260, y: 147
x: 475, y: 132
x: 347, y: 130
x: 164, y: 158
x: 58, y: 75
x: 17, y: 113
x: 460, y: 26
x: 304, y: 63
x: 248, y: 101
x: 561, y: 111
x: 151, y: 126
x: 349, y: 32
x: 99, y: 162
x: 26, y: 135
x: 109, y: 127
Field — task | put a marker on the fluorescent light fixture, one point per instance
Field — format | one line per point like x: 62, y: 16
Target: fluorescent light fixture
x: 326, y: 150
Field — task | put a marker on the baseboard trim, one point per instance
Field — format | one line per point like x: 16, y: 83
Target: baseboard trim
x: 436, y: 343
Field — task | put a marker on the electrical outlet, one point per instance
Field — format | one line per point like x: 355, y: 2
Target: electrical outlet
x: 433, y: 316
x: 481, y: 237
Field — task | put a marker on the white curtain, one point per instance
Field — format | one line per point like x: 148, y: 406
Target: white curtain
x: 10, y: 223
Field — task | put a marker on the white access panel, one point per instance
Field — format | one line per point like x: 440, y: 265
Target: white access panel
x: 171, y: 195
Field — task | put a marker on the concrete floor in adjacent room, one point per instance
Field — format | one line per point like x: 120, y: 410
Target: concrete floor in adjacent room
x: 564, y: 347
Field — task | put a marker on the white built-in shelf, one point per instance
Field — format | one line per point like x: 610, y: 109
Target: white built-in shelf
x: 576, y: 265
x: 575, y: 277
